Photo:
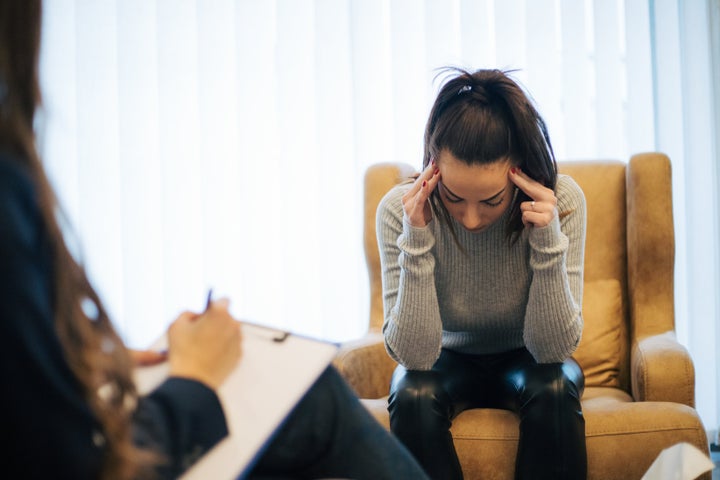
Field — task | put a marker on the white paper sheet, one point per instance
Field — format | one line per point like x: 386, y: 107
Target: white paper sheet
x: 275, y: 371
x: 682, y: 461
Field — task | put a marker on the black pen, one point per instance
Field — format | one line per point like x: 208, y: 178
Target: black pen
x: 209, y: 300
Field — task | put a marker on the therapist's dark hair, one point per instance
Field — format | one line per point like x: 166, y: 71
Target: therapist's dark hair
x: 94, y: 351
x: 484, y: 117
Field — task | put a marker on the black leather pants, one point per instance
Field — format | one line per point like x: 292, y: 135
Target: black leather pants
x: 546, y: 397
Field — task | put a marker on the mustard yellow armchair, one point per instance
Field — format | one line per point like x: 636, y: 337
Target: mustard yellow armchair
x: 640, y: 386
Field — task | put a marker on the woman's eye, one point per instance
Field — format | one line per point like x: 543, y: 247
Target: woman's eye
x: 496, y: 203
x: 448, y: 197
x: 452, y: 200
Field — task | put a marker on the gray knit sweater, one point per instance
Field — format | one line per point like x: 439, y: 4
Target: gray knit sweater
x: 490, y: 296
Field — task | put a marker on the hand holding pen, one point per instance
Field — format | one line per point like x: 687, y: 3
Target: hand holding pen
x: 205, y: 347
x: 149, y: 357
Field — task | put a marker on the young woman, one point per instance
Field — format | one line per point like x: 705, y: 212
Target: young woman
x: 482, y: 258
x: 70, y: 408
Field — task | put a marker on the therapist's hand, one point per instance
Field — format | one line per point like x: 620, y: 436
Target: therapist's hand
x: 205, y: 347
x: 146, y: 358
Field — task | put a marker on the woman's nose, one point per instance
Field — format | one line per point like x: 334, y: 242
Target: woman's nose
x: 472, y: 219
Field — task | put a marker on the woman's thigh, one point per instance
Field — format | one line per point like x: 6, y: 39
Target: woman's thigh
x: 459, y: 381
x: 497, y: 380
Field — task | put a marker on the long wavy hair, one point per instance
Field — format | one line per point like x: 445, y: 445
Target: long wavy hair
x: 484, y: 117
x: 91, y: 345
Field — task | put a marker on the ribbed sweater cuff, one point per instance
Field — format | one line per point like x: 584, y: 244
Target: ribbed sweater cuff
x: 547, y: 237
x: 416, y: 240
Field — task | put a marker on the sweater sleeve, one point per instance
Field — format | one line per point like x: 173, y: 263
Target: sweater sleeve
x: 412, y: 326
x: 553, y: 318
x: 182, y: 419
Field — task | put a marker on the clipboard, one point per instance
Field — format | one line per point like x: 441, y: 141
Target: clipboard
x: 276, y: 369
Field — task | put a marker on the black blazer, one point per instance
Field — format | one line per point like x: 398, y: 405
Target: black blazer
x: 47, y: 427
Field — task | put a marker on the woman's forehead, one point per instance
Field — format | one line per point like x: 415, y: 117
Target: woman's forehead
x: 482, y: 180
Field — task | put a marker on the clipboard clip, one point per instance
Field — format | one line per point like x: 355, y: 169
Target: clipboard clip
x: 266, y: 333
x: 280, y: 337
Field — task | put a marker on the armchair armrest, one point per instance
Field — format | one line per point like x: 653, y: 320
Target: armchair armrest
x: 662, y: 370
x: 366, y: 366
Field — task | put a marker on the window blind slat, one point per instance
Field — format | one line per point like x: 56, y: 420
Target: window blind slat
x: 141, y: 177
x: 638, y: 62
x: 178, y: 113
x: 577, y: 83
x: 609, y: 68
x: 100, y: 204
x: 510, y: 36
x: 544, y: 66
x: 409, y: 65
x: 477, y: 31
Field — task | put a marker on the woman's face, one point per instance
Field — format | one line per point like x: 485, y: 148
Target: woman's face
x: 476, y: 196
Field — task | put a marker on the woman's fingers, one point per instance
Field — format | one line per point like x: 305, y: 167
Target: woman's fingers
x: 534, y: 189
x: 537, y: 214
x: 540, y: 210
x: 415, y: 201
x: 144, y: 358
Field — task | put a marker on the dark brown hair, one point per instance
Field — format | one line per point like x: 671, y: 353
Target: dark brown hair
x: 92, y: 348
x: 484, y: 117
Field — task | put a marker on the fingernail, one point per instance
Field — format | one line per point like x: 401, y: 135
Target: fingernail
x: 432, y: 161
x: 424, y: 183
x: 437, y: 170
x: 513, y: 170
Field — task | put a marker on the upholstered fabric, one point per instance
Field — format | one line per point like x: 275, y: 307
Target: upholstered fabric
x: 639, y: 395
x: 599, y: 352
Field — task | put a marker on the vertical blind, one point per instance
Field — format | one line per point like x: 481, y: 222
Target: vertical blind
x: 222, y: 143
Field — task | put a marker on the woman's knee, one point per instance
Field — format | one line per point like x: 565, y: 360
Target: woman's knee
x: 553, y: 382
x: 419, y: 394
x: 574, y: 373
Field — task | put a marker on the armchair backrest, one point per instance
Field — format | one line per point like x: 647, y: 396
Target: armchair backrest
x: 604, y: 348
x: 629, y: 257
x: 379, y: 179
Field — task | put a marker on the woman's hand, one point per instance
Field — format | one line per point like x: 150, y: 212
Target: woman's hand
x: 146, y: 358
x: 205, y: 347
x: 541, y: 210
x: 415, y: 202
